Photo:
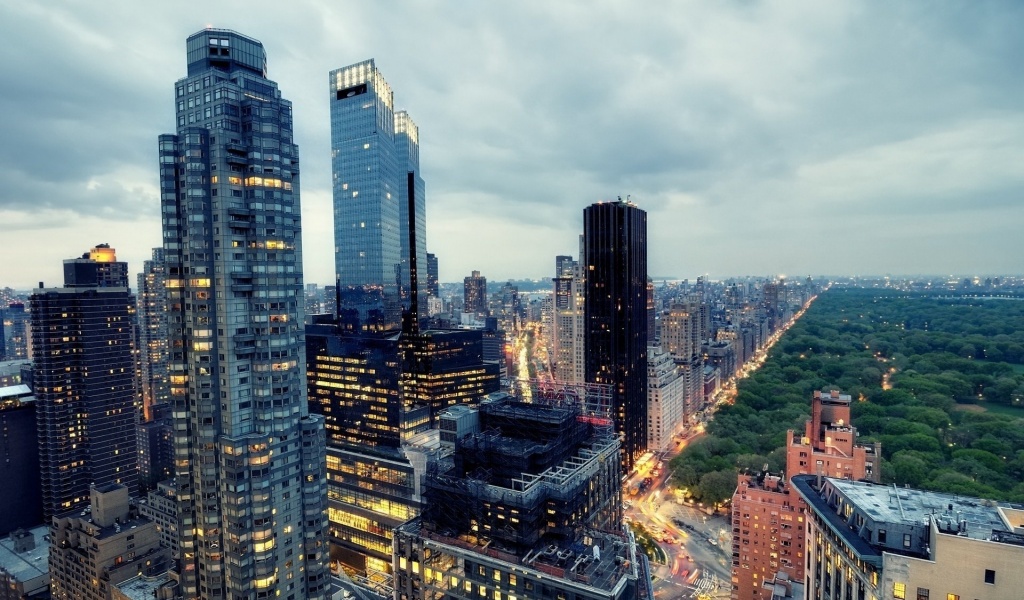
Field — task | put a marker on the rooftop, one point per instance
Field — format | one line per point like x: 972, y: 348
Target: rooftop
x: 15, y: 391
x: 26, y: 565
x: 913, y: 507
x: 142, y: 587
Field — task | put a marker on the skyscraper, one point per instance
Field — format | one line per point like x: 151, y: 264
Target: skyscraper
x: 432, y: 275
x: 567, y: 324
x: 84, y: 381
x: 375, y: 161
x: 249, y: 458
x: 615, y: 240
x: 152, y: 345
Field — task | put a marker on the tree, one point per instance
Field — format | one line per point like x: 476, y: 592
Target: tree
x: 717, y: 487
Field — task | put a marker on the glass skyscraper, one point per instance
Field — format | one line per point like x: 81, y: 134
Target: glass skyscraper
x: 375, y: 162
x: 615, y: 314
x: 249, y: 458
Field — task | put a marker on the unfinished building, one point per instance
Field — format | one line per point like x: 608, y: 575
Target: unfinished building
x: 529, y: 505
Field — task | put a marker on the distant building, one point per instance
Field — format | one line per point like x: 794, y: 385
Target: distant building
x: 866, y: 540
x: 615, y: 241
x: 475, y: 294
x: 21, y: 505
x: 24, y: 568
x: 11, y: 372
x: 85, y: 382
x: 529, y: 506
x: 432, y: 276
x: 768, y: 515
x: 93, y: 550
x: 156, y: 446
x: 16, y: 330
x: 152, y: 331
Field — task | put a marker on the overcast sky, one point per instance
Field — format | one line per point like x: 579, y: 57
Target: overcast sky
x: 761, y: 137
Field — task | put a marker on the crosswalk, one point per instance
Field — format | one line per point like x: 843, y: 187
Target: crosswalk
x: 706, y: 586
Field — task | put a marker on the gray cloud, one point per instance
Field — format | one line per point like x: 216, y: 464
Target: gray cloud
x: 743, y: 128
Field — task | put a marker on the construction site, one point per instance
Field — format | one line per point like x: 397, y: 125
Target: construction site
x: 528, y: 505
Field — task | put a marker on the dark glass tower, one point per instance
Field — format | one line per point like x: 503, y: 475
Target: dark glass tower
x: 615, y: 242
x: 84, y: 381
x: 374, y: 150
x: 249, y: 459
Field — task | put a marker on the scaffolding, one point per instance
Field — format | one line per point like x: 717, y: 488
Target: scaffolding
x: 534, y: 472
x: 595, y: 400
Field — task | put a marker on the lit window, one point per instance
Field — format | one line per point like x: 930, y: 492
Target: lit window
x: 899, y: 591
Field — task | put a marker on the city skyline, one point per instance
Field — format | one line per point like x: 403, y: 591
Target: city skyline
x: 745, y: 131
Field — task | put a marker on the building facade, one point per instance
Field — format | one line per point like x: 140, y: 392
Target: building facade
x: 666, y: 399
x: 615, y: 241
x: 866, y: 540
x: 249, y: 459
x: 84, y: 382
x: 379, y: 396
x: 152, y: 345
x: 19, y: 460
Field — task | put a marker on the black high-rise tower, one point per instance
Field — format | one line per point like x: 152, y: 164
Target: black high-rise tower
x: 615, y: 242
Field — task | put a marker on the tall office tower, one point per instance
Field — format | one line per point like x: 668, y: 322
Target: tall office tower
x: 249, y: 459
x: 153, y: 350
x: 615, y: 236
x: 768, y: 515
x: 411, y: 188
x: 19, y: 461
x: 432, y: 276
x: 652, y: 313
x: 375, y: 155
x: 17, y: 331
x: 567, y: 335
x: 93, y: 551
x: 84, y: 382
x: 474, y: 294
x: 527, y: 506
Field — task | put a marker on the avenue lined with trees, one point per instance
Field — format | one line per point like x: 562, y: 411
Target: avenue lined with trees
x: 938, y: 381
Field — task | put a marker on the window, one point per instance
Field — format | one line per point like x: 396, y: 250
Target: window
x: 990, y: 576
x: 922, y: 593
x: 906, y: 540
x: 881, y: 536
x: 952, y: 596
x: 899, y: 591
